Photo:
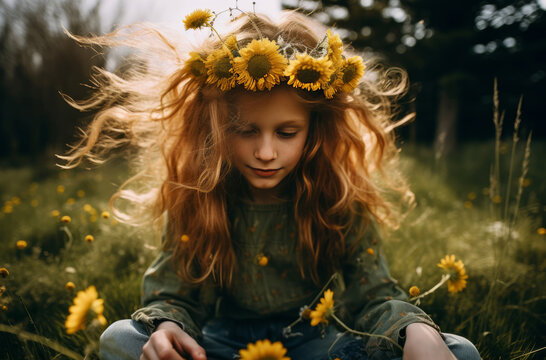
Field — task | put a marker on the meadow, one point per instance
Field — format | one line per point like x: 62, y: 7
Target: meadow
x: 499, y: 235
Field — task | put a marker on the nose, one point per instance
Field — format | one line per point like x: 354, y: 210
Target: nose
x: 265, y: 149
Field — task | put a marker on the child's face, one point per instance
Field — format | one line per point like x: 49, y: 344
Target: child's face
x: 269, y: 141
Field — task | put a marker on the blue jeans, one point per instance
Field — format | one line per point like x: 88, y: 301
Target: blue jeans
x: 222, y: 340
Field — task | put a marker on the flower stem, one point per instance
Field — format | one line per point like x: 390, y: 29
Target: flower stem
x: 365, y: 333
x: 23, y: 335
x: 444, y: 278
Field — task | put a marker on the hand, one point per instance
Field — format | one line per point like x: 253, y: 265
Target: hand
x: 170, y: 342
x: 424, y: 342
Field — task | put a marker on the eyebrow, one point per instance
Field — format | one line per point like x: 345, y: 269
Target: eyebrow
x: 282, y: 124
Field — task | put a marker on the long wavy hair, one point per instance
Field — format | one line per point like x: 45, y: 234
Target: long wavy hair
x: 180, y: 129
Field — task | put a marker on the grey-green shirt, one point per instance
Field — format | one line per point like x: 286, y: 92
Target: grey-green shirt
x: 367, y: 297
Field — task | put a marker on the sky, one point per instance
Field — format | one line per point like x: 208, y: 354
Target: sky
x: 173, y: 11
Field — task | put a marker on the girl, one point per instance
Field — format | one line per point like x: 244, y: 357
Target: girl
x: 265, y: 152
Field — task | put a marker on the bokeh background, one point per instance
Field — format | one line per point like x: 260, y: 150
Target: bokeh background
x: 480, y: 190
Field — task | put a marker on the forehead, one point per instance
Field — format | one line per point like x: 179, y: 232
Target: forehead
x: 278, y: 105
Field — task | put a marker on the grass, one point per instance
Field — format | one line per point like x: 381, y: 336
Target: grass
x: 501, y: 310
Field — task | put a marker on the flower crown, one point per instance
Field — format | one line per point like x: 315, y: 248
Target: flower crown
x: 263, y: 63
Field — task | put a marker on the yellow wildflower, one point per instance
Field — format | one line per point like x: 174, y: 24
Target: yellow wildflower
x: 468, y: 204
x: 21, y: 244
x: 198, y: 19
x: 541, y: 231
x: 497, y: 199
x: 263, y: 260
x: 309, y: 73
x: 219, y: 66
x: 4, y: 272
x: 457, y: 281
x: 8, y: 209
x: 105, y: 215
x: 70, y: 285
x: 335, y: 48
x: 89, y: 238
x: 472, y: 195
x: 60, y: 189
x: 352, y: 70
x: 55, y: 213
x: 195, y: 65
x: 66, y: 219
x: 4, y: 308
x: 259, y: 65
x: 184, y: 238
x: 324, y: 309
x: 370, y: 251
x: 264, y: 350
x: 70, y: 201
x: 80, y: 193
x: 84, y: 302
x: 414, y: 291
x: 34, y: 203
x: 16, y: 200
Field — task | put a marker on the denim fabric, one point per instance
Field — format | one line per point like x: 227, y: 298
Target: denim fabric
x: 222, y: 340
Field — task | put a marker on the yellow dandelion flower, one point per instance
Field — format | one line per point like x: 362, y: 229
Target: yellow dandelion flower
x: 8, y: 209
x: 70, y: 285
x: 21, y: 244
x: 457, y: 281
x: 70, y: 201
x: 16, y: 200
x: 231, y: 43
x: 80, y: 193
x: 497, y: 199
x: 55, y: 213
x: 309, y: 73
x: 370, y: 251
x: 4, y: 272
x: 198, y: 19
x: 352, y: 70
x: 219, y: 66
x: 414, y: 291
x: 93, y: 218
x: 259, y: 65
x: 262, y: 260
x: 541, y: 231
x: 195, y: 65
x: 66, y: 219
x: 468, y: 204
x: 324, y: 309
x: 84, y: 302
x: 89, y: 238
x: 184, y: 238
x: 60, y: 189
x: 4, y: 308
x: 264, y: 350
x: 105, y: 215
x: 335, y: 48
x: 34, y: 203
x: 88, y: 208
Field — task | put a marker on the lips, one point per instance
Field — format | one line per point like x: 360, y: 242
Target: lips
x: 264, y: 172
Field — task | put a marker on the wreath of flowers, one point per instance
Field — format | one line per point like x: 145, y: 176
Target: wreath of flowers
x: 264, y: 63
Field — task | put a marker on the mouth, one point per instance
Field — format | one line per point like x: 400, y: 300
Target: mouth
x: 264, y: 172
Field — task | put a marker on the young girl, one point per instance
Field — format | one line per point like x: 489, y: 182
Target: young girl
x: 266, y: 154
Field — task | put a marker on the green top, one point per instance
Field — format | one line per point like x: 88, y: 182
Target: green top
x: 367, y: 297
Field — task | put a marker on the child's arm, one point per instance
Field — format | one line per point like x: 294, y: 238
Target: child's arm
x: 372, y: 300
x: 166, y: 298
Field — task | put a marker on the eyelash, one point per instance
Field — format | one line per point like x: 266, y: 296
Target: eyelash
x: 283, y: 134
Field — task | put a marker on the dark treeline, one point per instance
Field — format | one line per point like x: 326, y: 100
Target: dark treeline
x: 37, y: 62
x: 453, y: 51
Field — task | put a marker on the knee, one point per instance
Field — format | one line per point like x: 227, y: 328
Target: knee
x: 461, y: 347
x: 122, y: 340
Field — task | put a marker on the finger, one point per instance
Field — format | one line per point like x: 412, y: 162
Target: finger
x: 163, y: 347
x: 189, y: 346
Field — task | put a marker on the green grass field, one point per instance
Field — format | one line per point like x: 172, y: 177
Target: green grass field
x: 502, y: 310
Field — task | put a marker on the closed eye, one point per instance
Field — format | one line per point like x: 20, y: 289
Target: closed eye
x: 286, y: 134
